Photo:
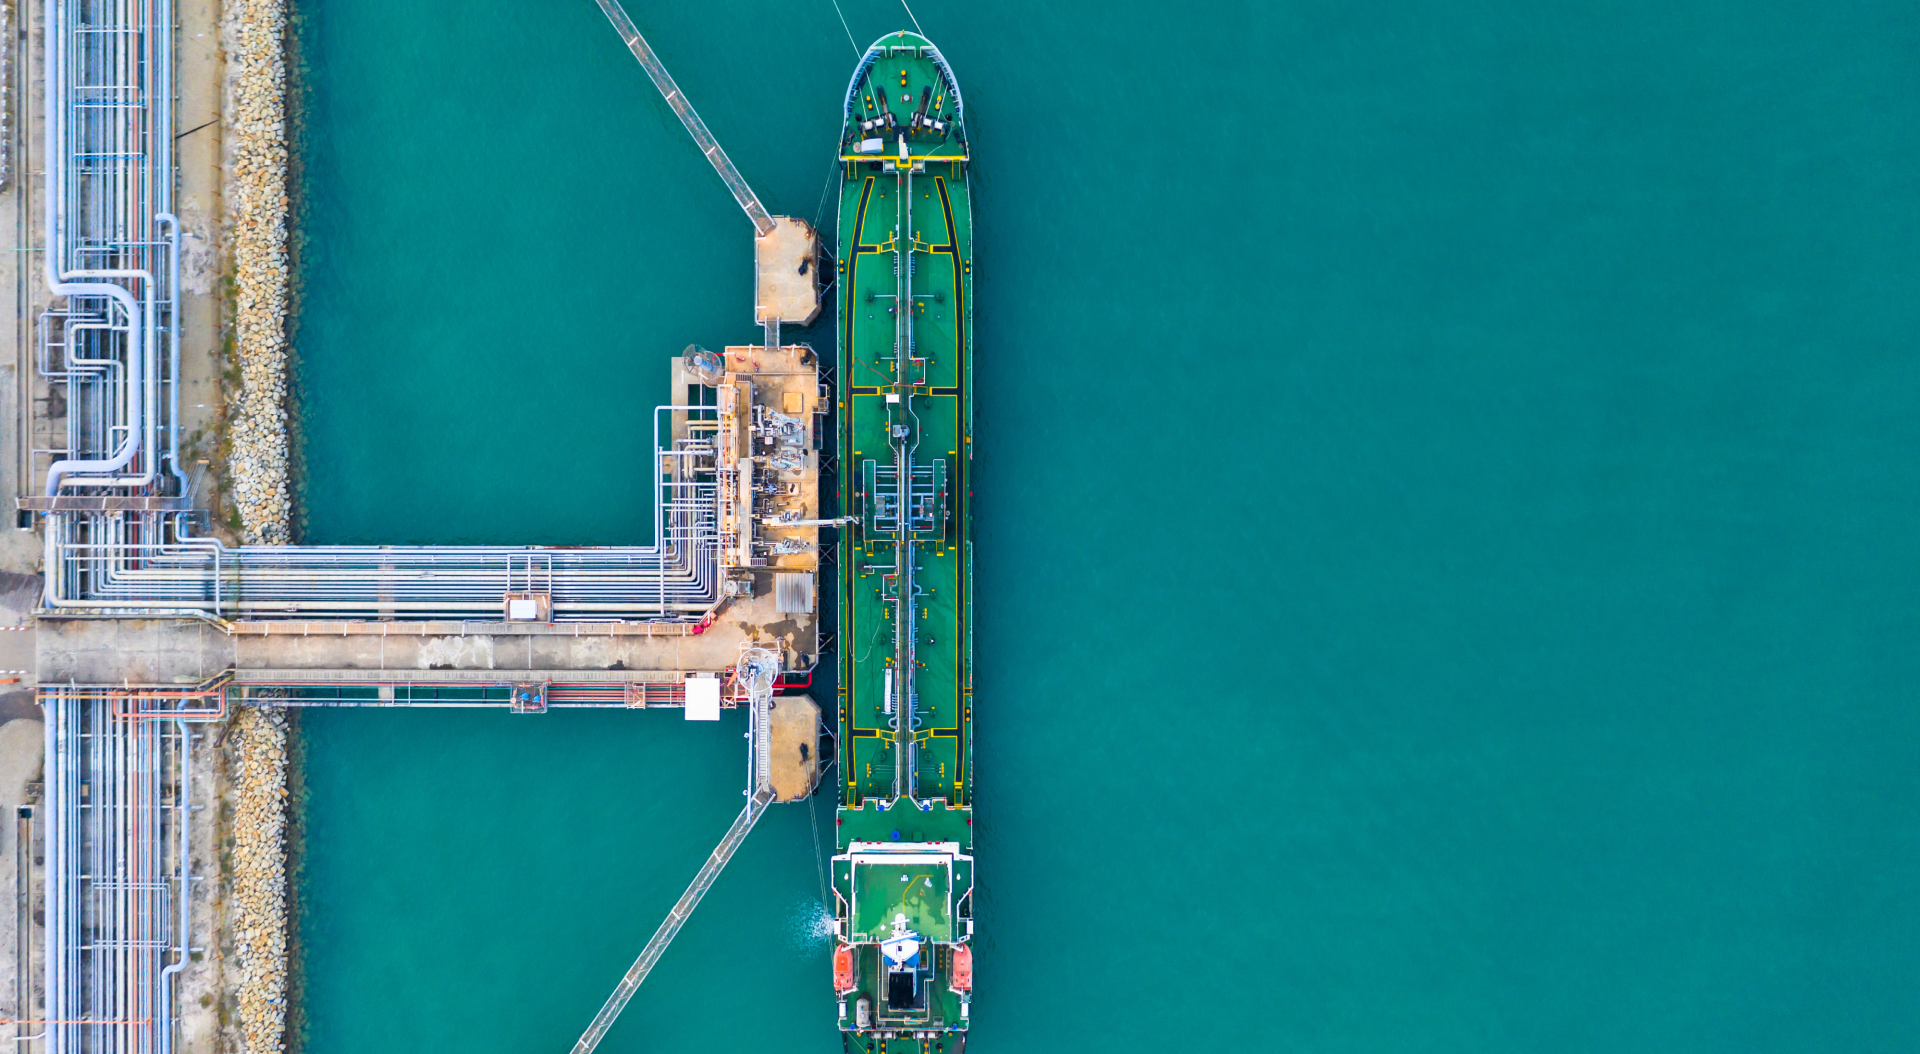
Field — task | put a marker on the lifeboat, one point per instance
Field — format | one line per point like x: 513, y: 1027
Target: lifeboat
x: 843, y: 981
x: 962, y: 979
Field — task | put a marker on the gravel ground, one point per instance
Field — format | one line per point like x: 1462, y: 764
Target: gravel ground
x: 256, y: 198
x: 257, y: 765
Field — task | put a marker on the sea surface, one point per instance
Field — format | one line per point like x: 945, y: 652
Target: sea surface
x: 1449, y: 560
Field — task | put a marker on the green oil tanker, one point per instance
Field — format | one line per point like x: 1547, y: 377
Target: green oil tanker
x: 903, y: 870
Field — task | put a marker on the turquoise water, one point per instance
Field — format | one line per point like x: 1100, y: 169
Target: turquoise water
x: 1447, y: 500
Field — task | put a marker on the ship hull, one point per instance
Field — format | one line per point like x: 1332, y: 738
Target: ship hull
x: 903, y: 869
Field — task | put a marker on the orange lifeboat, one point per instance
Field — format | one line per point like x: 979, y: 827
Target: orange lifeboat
x: 962, y: 979
x: 843, y: 969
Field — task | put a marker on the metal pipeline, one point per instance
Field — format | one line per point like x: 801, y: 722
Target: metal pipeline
x: 178, y: 713
x: 130, y: 575
x: 106, y: 879
x: 173, y: 347
x: 139, y: 322
x: 52, y: 965
x: 185, y: 800
x: 130, y: 447
x: 906, y: 441
x: 153, y: 563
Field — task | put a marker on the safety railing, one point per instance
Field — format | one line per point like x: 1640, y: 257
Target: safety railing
x: 670, y: 927
x: 677, y: 101
x: 152, y: 563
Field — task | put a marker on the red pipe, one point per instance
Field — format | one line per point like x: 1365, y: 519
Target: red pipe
x: 139, y: 715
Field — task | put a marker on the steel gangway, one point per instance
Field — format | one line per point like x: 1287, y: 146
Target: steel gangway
x: 670, y: 927
x: 677, y: 100
x: 755, y: 673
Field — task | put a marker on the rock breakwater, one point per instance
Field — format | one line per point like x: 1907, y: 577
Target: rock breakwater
x: 256, y: 203
x: 257, y: 770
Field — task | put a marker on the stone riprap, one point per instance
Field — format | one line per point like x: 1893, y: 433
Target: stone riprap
x: 257, y: 769
x: 256, y: 205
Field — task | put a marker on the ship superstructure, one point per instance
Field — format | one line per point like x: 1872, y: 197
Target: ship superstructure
x: 903, y: 876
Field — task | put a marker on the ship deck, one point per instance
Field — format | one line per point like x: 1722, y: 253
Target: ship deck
x: 932, y: 239
x: 939, y: 398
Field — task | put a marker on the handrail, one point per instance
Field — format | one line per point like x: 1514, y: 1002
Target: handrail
x: 152, y: 563
x: 670, y: 927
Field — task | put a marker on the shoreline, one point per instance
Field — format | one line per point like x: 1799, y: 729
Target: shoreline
x: 258, y: 759
x: 257, y: 935
x: 257, y: 200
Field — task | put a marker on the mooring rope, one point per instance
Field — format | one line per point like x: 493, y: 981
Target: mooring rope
x: 819, y: 862
x: 843, y: 25
x: 820, y: 210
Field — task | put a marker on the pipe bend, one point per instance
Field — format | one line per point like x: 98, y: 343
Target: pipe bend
x: 139, y: 322
x: 135, y: 424
x: 173, y: 348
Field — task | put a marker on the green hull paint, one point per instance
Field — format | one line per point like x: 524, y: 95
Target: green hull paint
x: 904, y: 396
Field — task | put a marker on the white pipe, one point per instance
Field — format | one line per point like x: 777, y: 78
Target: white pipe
x: 173, y: 349
x: 56, y: 798
x: 745, y: 518
x: 58, y: 285
x: 186, y: 883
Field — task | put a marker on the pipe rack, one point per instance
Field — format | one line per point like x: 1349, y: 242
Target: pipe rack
x: 112, y: 353
x: 109, y: 188
x: 151, y: 563
x: 118, y: 886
